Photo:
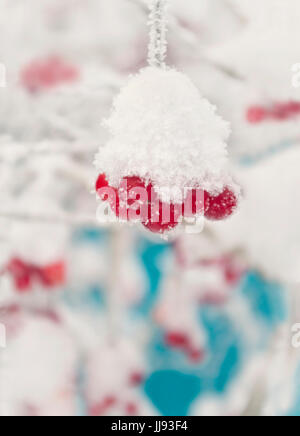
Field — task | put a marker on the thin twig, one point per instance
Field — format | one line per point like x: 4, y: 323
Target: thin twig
x: 191, y: 41
x: 158, y: 33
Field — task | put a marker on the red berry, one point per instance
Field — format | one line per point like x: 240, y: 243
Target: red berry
x: 102, y: 407
x: 109, y: 401
x: 196, y: 356
x: 293, y: 107
x: 21, y: 273
x: 109, y: 193
x: 23, y: 283
x: 284, y: 111
x: 53, y: 275
x: 136, y: 378
x: 196, y: 203
x: 114, y: 201
x: 176, y: 340
x: 136, y: 197
x: 162, y: 217
x: 131, y: 409
x: 160, y: 224
x: 101, y: 182
x: 131, y: 183
x: 131, y: 197
x: 232, y: 272
x: 280, y: 112
x: 256, y: 114
x: 46, y: 73
x: 221, y: 206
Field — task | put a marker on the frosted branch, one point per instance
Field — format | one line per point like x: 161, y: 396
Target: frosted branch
x: 158, y: 33
x: 187, y: 36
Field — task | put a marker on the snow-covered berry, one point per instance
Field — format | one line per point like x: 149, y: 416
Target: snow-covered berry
x: 101, y: 182
x: 196, y: 203
x: 164, y: 134
x: 222, y: 205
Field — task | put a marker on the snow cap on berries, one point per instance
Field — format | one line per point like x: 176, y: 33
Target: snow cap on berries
x: 164, y: 131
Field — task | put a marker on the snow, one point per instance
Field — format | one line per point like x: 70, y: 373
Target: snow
x: 266, y: 226
x: 266, y: 51
x: 48, y: 357
x: 163, y: 130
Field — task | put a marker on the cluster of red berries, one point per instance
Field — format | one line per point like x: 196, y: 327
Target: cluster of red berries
x: 277, y: 112
x: 47, y: 73
x: 180, y: 341
x: 154, y: 214
x: 25, y: 274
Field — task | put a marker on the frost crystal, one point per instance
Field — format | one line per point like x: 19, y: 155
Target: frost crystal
x: 163, y: 130
x: 158, y: 32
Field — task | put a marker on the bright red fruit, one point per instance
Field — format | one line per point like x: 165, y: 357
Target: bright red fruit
x: 131, y: 183
x: 284, y: 111
x: 132, y: 195
x: 101, y: 182
x: 280, y: 112
x: 114, y: 201
x: 111, y: 194
x: 196, y: 203
x: 136, y: 378
x: 46, y: 73
x: 133, y: 200
x: 21, y: 273
x: 233, y: 272
x: 130, y: 188
x: 162, y: 217
x: 53, y: 275
x: 293, y: 107
x: 256, y: 114
x: 159, y: 224
x: 24, y: 274
x: 176, y: 340
x: 221, y: 206
x: 131, y: 409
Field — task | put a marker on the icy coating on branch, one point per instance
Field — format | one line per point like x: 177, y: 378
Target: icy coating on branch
x: 158, y: 33
x: 164, y: 131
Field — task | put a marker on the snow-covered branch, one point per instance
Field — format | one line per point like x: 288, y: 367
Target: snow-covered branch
x: 158, y: 33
